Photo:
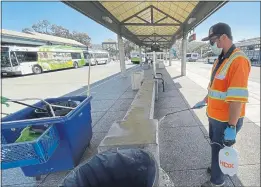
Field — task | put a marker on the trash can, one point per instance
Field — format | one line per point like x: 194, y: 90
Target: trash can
x: 136, y: 79
x: 118, y: 168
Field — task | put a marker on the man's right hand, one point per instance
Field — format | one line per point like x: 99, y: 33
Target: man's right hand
x: 200, y: 104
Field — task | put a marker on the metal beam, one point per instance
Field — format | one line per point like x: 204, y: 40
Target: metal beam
x: 161, y: 19
x: 167, y: 14
x: 134, y: 15
x: 156, y: 41
x: 94, y: 10
x: 152, y: 24
x: 201, y: 12
x: 162, y: 38
x: 142, y: 19
x: 147, y: 38
x: 153, y: 35
x: 151, y: 15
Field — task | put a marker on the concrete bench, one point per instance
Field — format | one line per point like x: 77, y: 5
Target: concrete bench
x: 138, y: 129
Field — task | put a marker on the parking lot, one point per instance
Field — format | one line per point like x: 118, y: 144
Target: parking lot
x: 54, y: 84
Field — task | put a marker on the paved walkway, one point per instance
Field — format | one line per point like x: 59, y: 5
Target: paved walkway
x: 184, y: 144
x: 111, y: 99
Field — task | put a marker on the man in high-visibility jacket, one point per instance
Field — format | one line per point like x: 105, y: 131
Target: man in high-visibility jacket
x: 227, y: 95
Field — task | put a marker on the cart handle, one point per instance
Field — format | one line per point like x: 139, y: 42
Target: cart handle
x: 50, y: 105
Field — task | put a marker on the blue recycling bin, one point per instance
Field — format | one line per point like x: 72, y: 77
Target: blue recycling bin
x: 59, y: 148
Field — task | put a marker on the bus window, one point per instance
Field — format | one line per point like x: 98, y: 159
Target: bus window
x: 76, y: 55
x: 195, y: 55
x: 86, y: 55
x: 188, y: 55
x: 5, y: 61
x: 26, y: 56
x: 13, y: 59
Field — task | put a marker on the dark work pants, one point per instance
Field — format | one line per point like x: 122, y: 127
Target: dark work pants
x: 216, y: 134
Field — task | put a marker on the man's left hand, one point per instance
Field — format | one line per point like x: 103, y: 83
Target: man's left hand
x: 230, y: 136
x: 4, y: 101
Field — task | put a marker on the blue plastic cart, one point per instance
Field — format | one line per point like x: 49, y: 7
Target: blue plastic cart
x: 59, y: 148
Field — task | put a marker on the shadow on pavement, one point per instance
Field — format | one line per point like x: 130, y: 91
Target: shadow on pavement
x: 169, y: 133
x: 84, y: 89
x: 109, y: 104
x: 176, y: 77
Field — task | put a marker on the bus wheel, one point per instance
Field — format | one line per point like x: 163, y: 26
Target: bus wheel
x: 37, y: 69
x: 75, y: 65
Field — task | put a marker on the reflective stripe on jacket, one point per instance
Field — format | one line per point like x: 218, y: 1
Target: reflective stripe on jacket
x: 229, y: 84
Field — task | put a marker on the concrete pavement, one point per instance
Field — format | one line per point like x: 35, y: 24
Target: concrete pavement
x: 184, y: 143
x: 112, y: 97
x: 183, y: 137
x: 55, y: 84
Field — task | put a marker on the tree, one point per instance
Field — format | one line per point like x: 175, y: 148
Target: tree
x: 27, y: 30
x: 45, y: 27
x: 81, y: 37
x: 178, y: 48
x: 60, y: 31
x: 128, y: 47
x: 42, y: 26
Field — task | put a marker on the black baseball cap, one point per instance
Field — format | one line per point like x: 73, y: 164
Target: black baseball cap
x: 219, y: 29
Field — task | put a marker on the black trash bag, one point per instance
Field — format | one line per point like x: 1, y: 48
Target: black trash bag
x: 121, y: 168
x: 57, y: 110
x: 63, y: 111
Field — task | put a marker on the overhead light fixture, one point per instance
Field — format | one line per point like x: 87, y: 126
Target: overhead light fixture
x: 107, y: 19
x: 191, y: 20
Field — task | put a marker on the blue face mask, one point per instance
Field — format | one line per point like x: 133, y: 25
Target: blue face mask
x: 215, y: 49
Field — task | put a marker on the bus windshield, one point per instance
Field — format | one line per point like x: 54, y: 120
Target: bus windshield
x: 5, y: 60
x: 133, y: 54
x: 101, y: 55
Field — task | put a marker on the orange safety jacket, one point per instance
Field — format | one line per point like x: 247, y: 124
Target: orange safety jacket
x: 229, y: 84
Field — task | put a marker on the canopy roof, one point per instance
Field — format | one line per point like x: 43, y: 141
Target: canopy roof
x: 148, y: 22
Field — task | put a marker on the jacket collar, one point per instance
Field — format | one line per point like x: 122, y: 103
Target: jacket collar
x: 229, y: 52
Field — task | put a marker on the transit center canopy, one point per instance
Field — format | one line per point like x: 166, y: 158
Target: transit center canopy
x: 147, y: 23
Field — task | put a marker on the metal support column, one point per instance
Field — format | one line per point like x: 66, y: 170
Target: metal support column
x: 154, y: 63
x: 201, y: 51
x: 166, y: 54
x: 184, y: 51
x: 170, y: 57
x: 156, y: 80
x: 140, y: 55
x: 122, y: 58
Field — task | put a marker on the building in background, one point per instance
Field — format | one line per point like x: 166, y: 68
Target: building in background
x: 96, y: 46
x: 35, y: 39
x: 111, y: 46
x: 252, y: 49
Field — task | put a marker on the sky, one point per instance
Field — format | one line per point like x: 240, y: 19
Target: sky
x: 243, y: 18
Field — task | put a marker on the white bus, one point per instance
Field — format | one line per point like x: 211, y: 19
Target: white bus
x: 17, y: 60
x: 211, y: 57
x: 192, y: 57
x: 98, y: 57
